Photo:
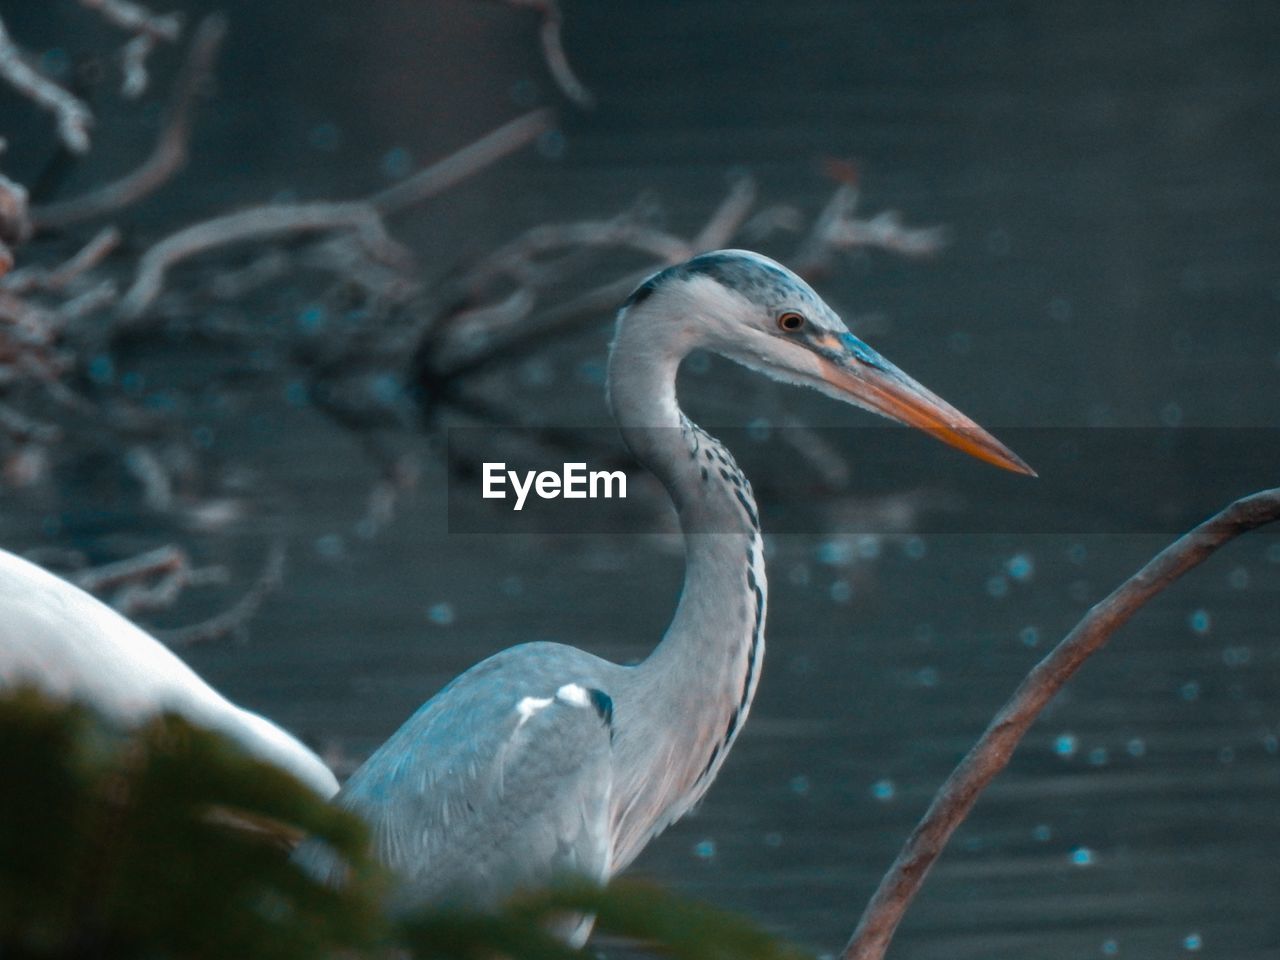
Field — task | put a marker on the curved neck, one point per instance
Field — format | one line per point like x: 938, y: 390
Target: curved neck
x: 709, y: 492
x: 705, y: 670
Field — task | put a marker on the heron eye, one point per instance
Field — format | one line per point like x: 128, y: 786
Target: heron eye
x: 791, y: 321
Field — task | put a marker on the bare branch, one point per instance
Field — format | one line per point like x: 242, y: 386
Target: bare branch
x: 73, y: 116
x: 886, y: 231
x: 102, y: 294
x: 111, y: 575
x: 553, y: 51
x: 729, y: 217
x: 256, y: 223
x: 18, y: 426
x: 168, y: 569
x: 837, y: 227
x: 57, y: 279
x: 587, y: 307
x: 133, y: 65
x: 135, y: 18
x: 471, y: 159
x: 515, y: 260
x: 170, y: 153
x: 15, y: 223
x: 992, y: 752
x: 235, y: 617
x: 362, y: 216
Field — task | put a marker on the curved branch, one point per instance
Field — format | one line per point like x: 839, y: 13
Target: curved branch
x: 992, y: 752
x: 255, y: 223
x: 73, y: 116
x: 170, y: 153
x: 553, y: 51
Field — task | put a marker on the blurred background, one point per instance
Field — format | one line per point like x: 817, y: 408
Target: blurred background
x: 1107, y: 178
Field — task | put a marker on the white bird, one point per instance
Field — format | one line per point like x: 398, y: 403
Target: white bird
x: 56, y: 637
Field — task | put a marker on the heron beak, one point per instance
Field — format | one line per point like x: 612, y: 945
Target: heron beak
x: 855, y: 372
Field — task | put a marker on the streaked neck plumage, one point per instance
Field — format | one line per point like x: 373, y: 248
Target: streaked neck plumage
x: 701, y: 678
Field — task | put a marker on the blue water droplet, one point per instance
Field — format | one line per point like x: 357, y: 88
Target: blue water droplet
x: 296, y: 393
x: 1110, y: 948
x: 441, y: 614
x: 704, y: 849
x: 927, y: 677
x: 997, y: 586
x: 102, y: 369
x: 1098, y: 757
x: 1029, y: 636
x: 759, y: 430
x: 1083, y: 857
x: 1137, y: 747
x: 835, y: 553
x: 914, y: 548
x: 591, y: 372
x: 330, y: 546
x: 799, y: 785
x: 396, y: 163
x: 1066, y: 744
x: 1021, y: 567
x: 1192, y: 942
x: 883, y: 790
x: 312, y: 318
x: 1190, y: 691
x: 1236, y: 656
x: 1200, y: 621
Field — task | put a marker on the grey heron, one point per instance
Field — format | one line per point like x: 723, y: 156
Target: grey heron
x: 545, y: 759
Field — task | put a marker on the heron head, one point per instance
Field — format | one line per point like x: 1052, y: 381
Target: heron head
x: 757, y: 312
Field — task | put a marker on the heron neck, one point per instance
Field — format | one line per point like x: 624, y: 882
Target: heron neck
x: 703, y: 674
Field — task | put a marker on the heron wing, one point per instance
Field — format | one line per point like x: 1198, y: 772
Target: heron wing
x: 500, y: 782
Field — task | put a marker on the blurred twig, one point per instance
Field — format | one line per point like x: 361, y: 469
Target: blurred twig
x: 993, y: 750
x: 233, y: 619
x: 364, y: 217
x: 71, y: 113
x: 553, y: 50
x: 170, y: 153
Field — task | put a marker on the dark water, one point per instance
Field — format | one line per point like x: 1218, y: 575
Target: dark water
x: 1109, y: 175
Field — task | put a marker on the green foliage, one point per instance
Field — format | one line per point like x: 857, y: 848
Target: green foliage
x: 163, y: 842
x: 169, y: 842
